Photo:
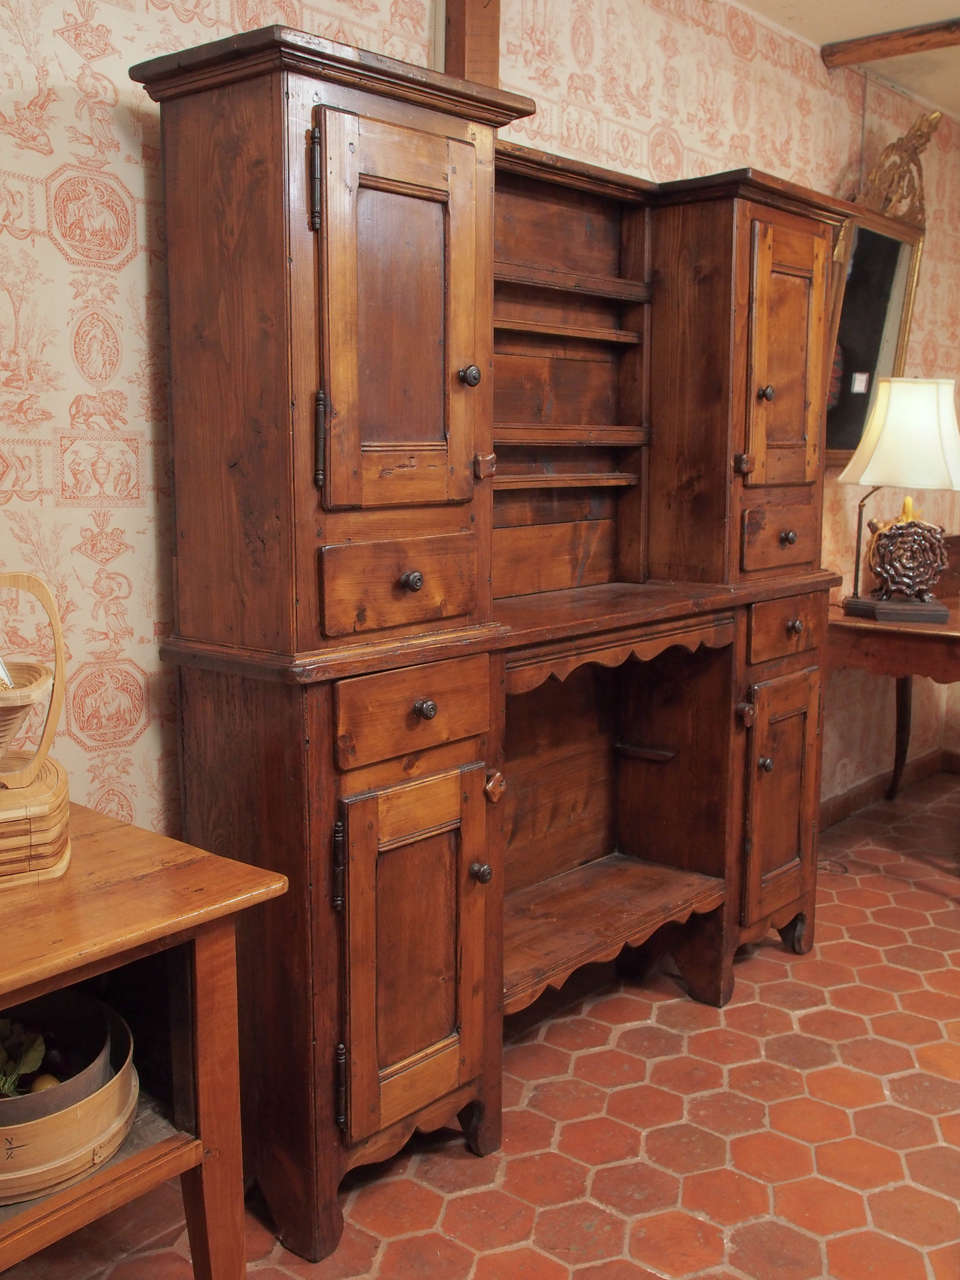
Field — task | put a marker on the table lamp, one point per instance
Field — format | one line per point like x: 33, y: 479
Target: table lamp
x: 910, y: 440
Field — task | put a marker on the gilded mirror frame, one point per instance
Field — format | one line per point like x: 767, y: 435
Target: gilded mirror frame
x: 892, y: 363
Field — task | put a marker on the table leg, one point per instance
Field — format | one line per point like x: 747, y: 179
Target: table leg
x: 213, y: 1192
x: 904, y: 711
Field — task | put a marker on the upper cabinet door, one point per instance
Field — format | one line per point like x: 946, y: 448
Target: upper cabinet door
x: 401, y: 355
x: 785, y: 389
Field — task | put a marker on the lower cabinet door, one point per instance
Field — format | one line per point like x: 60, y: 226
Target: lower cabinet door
x: 416, y: 878
x: 781, y: 792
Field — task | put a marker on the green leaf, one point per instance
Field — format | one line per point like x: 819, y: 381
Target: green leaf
x: 32, y: 1057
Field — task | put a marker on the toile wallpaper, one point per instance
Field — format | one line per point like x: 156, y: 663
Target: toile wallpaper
x: 660, y: 88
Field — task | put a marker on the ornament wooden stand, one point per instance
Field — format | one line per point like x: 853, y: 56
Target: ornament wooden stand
x: 34, y: 797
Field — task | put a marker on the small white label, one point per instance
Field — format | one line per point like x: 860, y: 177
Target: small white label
x: 859, y: 383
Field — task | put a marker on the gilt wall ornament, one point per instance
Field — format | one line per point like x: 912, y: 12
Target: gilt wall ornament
x: 894, y: 185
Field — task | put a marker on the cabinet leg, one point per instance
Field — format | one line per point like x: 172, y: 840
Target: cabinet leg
x: 482, y: 1127
x: 213, y: 1192
x: 796, y: 935
x: 311, y: 1232
x: 704, y: 955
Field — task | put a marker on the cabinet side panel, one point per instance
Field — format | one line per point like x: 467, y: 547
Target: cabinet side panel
x: 690, y: 390
x: 229, y: 369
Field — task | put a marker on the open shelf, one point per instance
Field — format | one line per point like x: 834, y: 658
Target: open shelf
x: 569, y: 435
x: 152, y: 1152
x: 570, y: 480
x: 586, y: 333
x: 572, y: 282
x: 589, y: 914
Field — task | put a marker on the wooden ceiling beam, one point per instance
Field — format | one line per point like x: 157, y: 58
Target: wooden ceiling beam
x: 472, y: 43
x: 891, y: 44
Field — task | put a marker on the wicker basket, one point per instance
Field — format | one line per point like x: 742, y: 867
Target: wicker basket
x: 31, y: 684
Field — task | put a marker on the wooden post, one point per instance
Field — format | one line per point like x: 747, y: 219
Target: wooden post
x: 472, y: 49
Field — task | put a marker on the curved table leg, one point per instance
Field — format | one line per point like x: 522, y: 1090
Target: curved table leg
x: 904, y: 710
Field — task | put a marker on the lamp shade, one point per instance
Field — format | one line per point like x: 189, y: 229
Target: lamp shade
x: 911, y: 438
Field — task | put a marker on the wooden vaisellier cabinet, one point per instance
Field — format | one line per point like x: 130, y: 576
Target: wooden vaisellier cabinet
x: 497, y: 586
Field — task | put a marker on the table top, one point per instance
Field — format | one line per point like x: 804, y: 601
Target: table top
x: 896, y: 648
x: 936, y: 630
x: 125, y: 890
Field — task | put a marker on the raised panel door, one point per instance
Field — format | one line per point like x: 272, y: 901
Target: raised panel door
x: 785, y: 391
x: 415, y: 923
x: 398, y: 286
x: 781, y: 792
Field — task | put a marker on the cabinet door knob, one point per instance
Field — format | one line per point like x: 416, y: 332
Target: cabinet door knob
x: 795, y: 627
x: 766, y: 393
x: 481, y: 872
x: 471, y: 375
x: 747, y: 713
x: 766, y: 764
x: 425, y: 708
x: 788, y: 537
x: 412, y: 580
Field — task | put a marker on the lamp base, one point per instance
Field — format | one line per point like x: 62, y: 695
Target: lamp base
x: 896, y: 610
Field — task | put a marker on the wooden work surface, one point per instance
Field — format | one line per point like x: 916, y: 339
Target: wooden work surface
x: 125, y: 891
x: 897, y: 649
x: 128, y: 893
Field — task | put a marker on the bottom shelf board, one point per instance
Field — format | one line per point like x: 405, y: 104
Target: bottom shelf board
x: 152, y: 1152
x: 588, y: 914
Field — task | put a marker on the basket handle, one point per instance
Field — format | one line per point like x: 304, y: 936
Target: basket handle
x: 37, y: 587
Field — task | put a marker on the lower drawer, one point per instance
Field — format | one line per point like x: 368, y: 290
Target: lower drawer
x: 393, y: 713
x: 372, y: 586
x: 775, y: 535
x: 781, y: 627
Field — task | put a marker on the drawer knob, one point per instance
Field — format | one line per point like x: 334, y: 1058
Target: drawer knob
x: 795, y: 627
x: 471, y: 375
x: 766, y: 393
x: 766, y: 764
x: 482, y: 872
x: 788, y: 537
x: 412, y: 580
x: 425, y: 708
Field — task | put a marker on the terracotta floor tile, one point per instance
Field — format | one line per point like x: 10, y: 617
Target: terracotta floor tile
x: 726, y: 1113
x: 578, y: 1233
x: 648, y: 1042
x: 395, y: 1208
x: 354, y: 1257
x: 723, y: 1046
x: 809, y: 1119
x: 487, y: 1220
x: 726, y: 1196
x: 832, y: 1024
x: 599, y: 1141
x: 765, y: 1250
x: 676, y: 1243
x: 820, y: 1207
x: 915, y: 1215
x: 620, y: 1269
x: 427, y: 1255
x: 894, y: 1127
x: 688, y: 1016
x: 577, y: 1033
x: 765, y: 1081
x: 547, y: 1178
x: 877, y: 1056
x: 924, y: 1092
x: 635, y: 1188
x: 945, y: 1262
x: 931, y: 1004
x: 889, y: 977
x: 858, y: 1163
x: 161, y: 1266
x: 525, y: 1131
x: 756, y: 1019
x: 941, y: 1059
x: 535, y: 1061
x: 685, y: 1148
x: 844, y: 1087
x: 608, y: 1067
x: 519, y: 1264
x: 938, y: 1169
x: 771, y: 1157
x: 618, y: 1009
x: 861, y: 999
x: 686, y: 1075
x: 788, y: 994
x: 645, y: 1106
x: 568, y: 1099
x: 804, y: 1052
x: 869, y: 1255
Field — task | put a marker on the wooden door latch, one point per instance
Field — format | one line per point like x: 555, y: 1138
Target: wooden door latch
x: 495, y: 786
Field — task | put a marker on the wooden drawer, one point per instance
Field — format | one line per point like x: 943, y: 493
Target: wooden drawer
x: 778, y: 536
x: 395, y: 712
x: 371, y: 586
x: 782, y: 627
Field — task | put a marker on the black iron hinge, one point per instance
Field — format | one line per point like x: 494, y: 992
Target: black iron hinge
x: 340, y: 1077
x: 316, y: 178
x: 339, y: 865
x: 320, y: 438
